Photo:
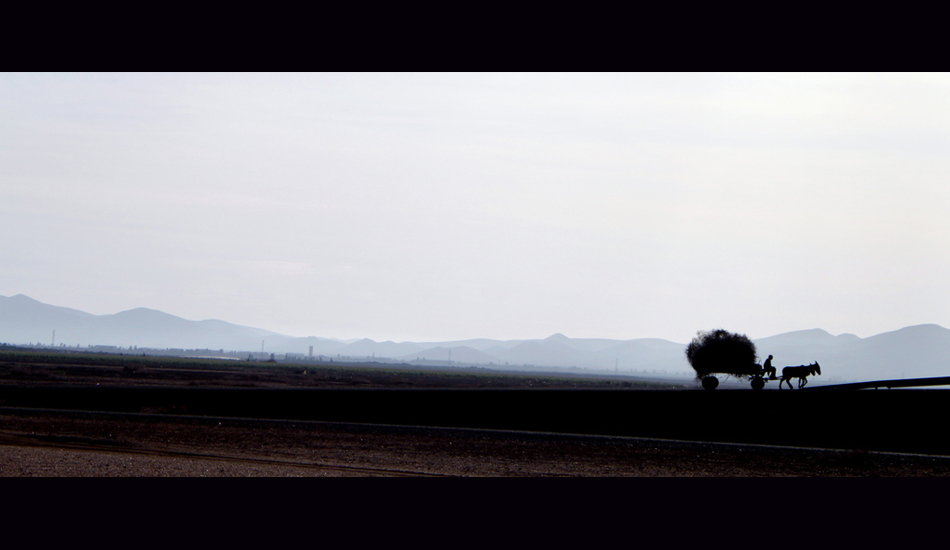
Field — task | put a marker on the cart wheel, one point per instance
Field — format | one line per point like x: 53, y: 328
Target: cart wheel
x: 758, y: 383
x: 710, y: 383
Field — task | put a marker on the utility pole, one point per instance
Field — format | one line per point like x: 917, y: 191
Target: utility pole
x: 53, y: 343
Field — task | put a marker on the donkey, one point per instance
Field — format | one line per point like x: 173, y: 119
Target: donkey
x: 799, y: 372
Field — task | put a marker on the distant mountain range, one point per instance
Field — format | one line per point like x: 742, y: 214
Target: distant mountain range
x: 910, y: 352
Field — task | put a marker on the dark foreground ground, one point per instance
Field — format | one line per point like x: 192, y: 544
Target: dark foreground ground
x: 36, y: 443
x: 908, y: 421
x: 87, y: 415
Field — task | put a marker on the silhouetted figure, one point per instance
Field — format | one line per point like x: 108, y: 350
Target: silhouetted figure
x: 768, y: 369
x: 799, y: 372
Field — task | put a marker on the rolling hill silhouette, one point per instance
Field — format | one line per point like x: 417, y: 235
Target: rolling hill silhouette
x: 915, y: 351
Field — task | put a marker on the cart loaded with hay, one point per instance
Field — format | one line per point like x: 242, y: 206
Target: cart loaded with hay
x: 724, y: 353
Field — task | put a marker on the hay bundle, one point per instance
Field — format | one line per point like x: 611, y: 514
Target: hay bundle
x: 722, y: 351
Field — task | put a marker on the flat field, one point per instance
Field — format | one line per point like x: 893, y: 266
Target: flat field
x: 25, y: 367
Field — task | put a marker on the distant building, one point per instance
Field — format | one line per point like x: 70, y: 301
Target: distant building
x: 104, y: 348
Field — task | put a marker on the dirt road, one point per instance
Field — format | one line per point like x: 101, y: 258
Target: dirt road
x: 34, y: 443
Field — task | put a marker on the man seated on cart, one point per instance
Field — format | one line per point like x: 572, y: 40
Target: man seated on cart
x: 768, y: 369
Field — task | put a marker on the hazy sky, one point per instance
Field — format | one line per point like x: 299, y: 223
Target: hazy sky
x: 449, y: 206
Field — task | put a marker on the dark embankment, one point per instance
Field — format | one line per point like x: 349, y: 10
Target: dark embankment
x: 890, y: 420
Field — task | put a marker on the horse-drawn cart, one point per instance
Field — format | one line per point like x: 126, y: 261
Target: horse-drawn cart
x: 723, y: 352
x: 756, y: 375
